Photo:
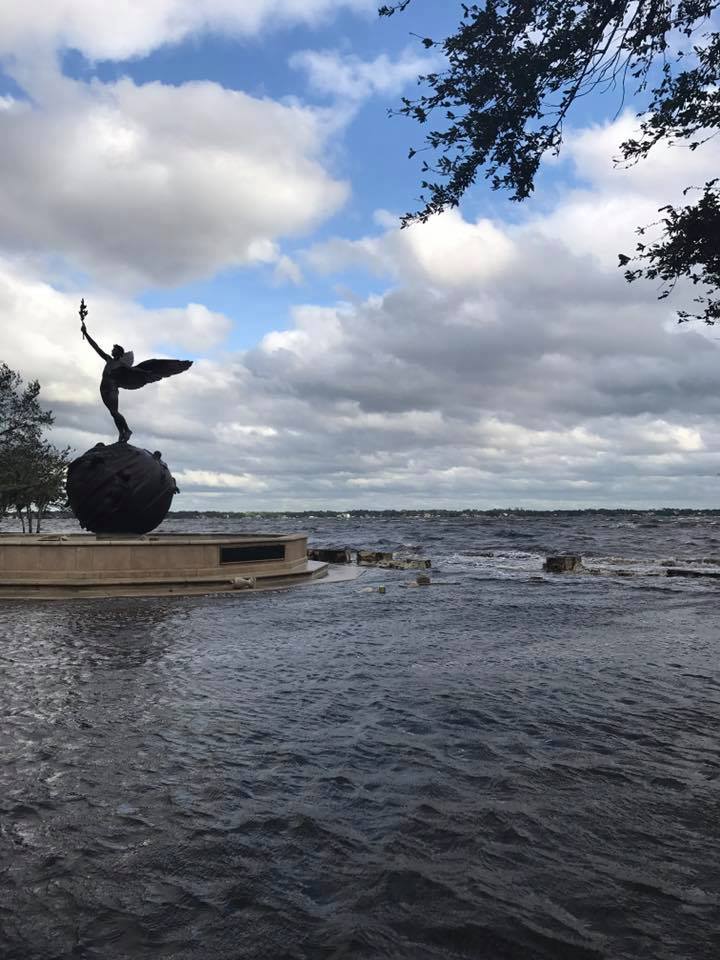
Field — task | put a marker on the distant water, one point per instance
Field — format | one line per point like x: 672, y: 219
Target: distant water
x: 502, y: 765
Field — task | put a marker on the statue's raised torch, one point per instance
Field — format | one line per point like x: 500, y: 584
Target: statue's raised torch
x: 83, y: 314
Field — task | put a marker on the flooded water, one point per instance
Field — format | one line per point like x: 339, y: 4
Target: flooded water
x: 505, y: 764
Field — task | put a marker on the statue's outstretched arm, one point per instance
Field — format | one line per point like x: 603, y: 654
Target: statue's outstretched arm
x: 94, y: 345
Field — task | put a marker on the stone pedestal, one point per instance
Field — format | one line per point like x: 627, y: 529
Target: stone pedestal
x: 61, y: 566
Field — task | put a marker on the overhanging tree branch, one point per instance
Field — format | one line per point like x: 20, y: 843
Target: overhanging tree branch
x: 515, y: 69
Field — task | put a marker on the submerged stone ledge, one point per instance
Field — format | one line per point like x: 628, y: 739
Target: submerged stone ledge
x: 386, y: 560
x: 572, y: 563
x: 687, y: 572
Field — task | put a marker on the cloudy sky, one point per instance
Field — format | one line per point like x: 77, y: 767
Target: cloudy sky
x: 221, y: 181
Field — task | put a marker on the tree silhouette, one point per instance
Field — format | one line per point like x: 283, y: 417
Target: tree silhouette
x: 32, y: 470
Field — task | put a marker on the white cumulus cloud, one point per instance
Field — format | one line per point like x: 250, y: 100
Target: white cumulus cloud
x: 135, y: 27
x: 156, y: 184
x: 346, y: 76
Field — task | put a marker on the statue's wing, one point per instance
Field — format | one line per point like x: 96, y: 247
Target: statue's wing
x: 149, y: 371
x: 159, y: 369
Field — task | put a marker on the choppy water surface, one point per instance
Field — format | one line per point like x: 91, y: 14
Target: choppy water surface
x: 502, y: 765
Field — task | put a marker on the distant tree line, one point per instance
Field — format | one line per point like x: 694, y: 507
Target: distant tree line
x: 415, y: 513
x: 32, y: 470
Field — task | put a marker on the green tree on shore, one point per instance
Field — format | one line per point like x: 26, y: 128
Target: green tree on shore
x: 514, y: 69
x: 32, y: 470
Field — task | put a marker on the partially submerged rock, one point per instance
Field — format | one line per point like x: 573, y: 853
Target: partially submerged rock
x: 373, y: 558
x: 405, y: 563
x: 330, y: 554
x: 422, y: 580
x: 563, y: 563
x: 388, y: 561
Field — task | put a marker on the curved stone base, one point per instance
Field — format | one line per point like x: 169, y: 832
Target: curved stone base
x: 62, y: 566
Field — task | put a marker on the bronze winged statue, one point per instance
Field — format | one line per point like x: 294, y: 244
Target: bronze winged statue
x: 121, y: 371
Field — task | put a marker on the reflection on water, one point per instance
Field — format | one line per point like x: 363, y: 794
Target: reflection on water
x: 502, y: 765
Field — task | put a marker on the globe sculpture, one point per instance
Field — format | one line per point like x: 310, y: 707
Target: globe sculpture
x: 120, y: 488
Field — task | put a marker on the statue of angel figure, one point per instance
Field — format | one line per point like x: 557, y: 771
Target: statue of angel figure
x: 121, y: 371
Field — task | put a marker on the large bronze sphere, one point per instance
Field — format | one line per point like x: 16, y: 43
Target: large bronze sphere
x: 119, y: 488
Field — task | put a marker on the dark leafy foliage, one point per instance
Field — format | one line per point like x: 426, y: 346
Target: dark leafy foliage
x: 514, y: 69
x: 32, y: 470
x: 21, y: 416
x: 689, y: 247
x: 32, y: 478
